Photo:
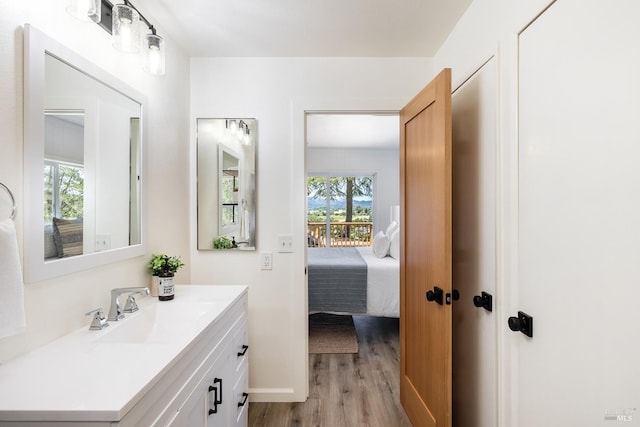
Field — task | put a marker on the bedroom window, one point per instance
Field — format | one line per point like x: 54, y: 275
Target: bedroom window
x: 339, y: 207
x: 63, y: 190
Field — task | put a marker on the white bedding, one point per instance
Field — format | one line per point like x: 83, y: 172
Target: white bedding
x: 383, y: 284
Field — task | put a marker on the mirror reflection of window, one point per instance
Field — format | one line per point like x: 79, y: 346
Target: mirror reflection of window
x: 229, y: 182
x: 63, y: 184
x: 63, y: 191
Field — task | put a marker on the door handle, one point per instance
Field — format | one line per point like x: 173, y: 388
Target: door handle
x: 523, y: 323
x: 485, y: 300
x: 435, y: 295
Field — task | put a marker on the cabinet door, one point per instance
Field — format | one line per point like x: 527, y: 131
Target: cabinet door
x: 240, y: 347
x: 208, y: 404
x: 240, y: 404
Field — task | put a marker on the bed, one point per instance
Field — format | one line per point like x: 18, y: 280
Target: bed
x: 355, y: 280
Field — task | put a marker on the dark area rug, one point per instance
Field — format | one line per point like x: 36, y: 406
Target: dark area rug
x: 331, y: 333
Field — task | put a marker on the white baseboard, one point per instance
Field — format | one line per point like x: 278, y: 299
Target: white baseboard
x: 274, y: 395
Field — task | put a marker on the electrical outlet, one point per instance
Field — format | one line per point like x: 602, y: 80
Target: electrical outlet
x: 266, y: 260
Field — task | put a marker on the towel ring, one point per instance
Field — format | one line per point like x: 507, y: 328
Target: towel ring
x: 13, y: 201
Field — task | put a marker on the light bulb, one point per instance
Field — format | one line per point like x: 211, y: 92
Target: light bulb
x: 84, y: 10
x: 154, y: 52
x: 126, y: 29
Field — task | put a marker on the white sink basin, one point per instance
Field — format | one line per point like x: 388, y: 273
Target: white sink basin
x: 157, y: 323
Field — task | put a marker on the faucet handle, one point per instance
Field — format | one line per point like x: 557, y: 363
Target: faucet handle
x: 99, y: 322
x: 131, y: 306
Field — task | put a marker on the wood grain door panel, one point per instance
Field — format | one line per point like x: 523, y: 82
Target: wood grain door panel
x: 425, y: 168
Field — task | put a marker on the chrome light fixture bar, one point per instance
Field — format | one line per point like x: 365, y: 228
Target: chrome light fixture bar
x: 122, y: 21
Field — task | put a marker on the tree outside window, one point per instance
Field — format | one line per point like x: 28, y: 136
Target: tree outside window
x: 334, y: 204
x: 63, y: 191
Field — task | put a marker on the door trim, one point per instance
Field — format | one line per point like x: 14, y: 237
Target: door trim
x: 298, y: 303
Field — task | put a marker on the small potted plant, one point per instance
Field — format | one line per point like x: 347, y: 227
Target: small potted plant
x: 223, y: 242
x: 163, y: 268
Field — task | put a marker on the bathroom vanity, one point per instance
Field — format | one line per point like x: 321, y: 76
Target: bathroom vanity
x: 180, y: 363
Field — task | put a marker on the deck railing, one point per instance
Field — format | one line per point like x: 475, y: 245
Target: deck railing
x: 342, y: 234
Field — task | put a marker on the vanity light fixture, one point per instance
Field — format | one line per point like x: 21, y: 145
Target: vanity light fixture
x: 232, y: 126
x: 85, y: 10
x: 126, y: 28
x: 241, y: 127
x: 123, y: 22
x: 246, y: 138
x: 154, y: 53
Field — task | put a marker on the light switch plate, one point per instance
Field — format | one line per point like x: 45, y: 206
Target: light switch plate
x: 103, y: 242
x: 285, y: 243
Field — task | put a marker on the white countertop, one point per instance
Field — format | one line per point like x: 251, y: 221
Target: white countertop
x: 101, y: 375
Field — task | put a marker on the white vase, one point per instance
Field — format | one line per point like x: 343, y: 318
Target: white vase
x: 155, y: 281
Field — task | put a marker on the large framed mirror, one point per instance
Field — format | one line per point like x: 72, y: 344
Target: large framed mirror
x: 83, y: 163
x: 226, y: 160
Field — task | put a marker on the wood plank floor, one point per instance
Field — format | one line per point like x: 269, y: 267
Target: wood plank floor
x: 347, y: 390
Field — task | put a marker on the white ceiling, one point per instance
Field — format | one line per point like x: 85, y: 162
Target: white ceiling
x: 317, y: 28
x: 312, y: 28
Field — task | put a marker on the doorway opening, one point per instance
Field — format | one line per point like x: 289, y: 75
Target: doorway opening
x: 359, y: 150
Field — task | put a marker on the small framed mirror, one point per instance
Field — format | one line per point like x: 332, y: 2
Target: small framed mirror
x: 226, y: 179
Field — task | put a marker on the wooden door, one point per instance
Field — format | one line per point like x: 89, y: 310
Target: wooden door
x: 425, y: 326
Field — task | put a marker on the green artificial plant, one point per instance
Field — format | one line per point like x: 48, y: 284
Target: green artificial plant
x: 164, y: 265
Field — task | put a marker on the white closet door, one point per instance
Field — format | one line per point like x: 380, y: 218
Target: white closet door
x: 474, y: 136
x: 579, y: 215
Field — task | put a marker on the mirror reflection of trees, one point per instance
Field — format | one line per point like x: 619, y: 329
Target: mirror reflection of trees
x: 63, y: 191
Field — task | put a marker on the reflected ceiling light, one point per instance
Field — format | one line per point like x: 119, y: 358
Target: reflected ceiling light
x: 126, y: 28
x: 84, y: 10
x: 241, y: 127
x: 246, y: 138
x: 232, y: 125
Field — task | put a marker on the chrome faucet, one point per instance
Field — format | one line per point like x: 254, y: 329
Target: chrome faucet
x: 115, y: 311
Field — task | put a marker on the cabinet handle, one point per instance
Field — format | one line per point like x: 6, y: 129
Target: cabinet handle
x: 244, y: 400
x: 217, y: 391
x: 244, y: 350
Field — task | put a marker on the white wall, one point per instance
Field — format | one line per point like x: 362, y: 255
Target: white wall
x: 385, y: 164
x: 55, y: 307
x: 277, y: 91
x: 492, y: 28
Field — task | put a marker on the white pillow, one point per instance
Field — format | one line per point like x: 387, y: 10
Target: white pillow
x: 393, y: 226
x: 381, y: 245
x: 394, y: 248
x: 377, y: 237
